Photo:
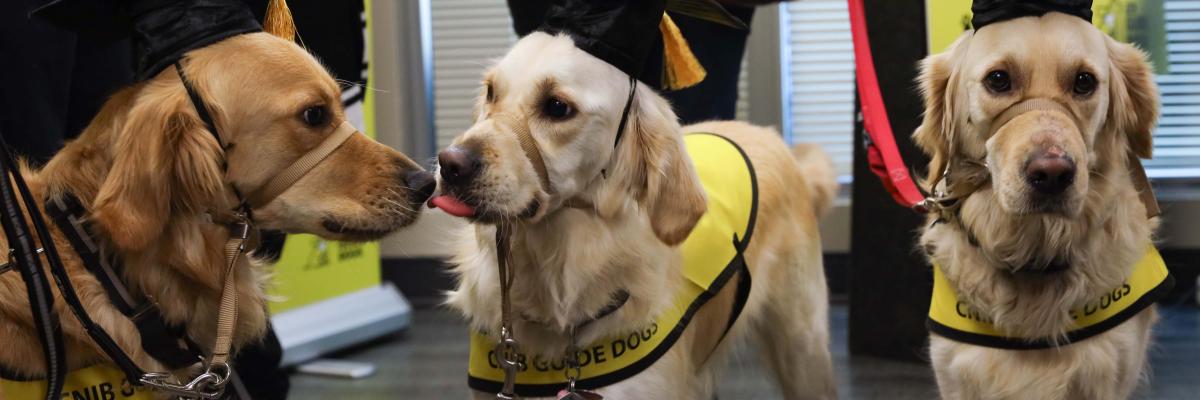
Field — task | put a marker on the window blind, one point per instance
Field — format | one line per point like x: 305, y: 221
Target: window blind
x: 1177, y: 139
x: 468, y: 35
x: 818, y: 58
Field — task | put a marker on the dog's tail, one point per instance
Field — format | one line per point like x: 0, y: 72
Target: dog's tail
x: 819, y: 175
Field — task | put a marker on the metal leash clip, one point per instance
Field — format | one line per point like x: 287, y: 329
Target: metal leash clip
x: 508, y: 352
x: 242, y: 229
x: 209, y: 385
x: 572, y: 372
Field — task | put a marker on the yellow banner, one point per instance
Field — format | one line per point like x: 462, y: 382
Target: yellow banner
x: 312, y: 269
x: 947, y: 19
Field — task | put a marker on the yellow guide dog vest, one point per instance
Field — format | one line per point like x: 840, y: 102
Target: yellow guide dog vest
x: 712, y: 254
x: 954, y: 319
x: 98, y: 382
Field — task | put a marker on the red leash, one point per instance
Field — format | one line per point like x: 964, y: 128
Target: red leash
x: 882, y: 154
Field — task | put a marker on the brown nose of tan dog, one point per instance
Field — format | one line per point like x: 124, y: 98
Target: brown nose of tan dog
x: 1050, y: 172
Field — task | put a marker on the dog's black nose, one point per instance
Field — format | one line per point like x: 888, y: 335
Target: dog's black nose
x: 1050, y: 173
x: 458, y: 165
x: 421, y: 182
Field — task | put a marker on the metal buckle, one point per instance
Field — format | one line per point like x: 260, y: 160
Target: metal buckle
x: 573, y: 370
x: 208, y: 385
x: 243, y: 234
x: 12, y: 262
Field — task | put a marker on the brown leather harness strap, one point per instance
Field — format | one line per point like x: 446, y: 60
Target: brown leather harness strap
x: 1034, y: 104
x: 945, y: 200
x: 520, y: 128
x: 227, y: 316
x: 301, y: 166
x: 211, y: 383
x: 1142, y: 184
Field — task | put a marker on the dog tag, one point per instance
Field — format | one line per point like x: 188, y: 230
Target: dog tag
x: 578, y: 395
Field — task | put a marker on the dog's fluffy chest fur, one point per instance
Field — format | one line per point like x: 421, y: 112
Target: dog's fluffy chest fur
x: 567, y: 268
x: 1102, y: 246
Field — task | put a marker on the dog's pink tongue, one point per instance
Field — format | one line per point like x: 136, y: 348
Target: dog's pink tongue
x: 452, y: 205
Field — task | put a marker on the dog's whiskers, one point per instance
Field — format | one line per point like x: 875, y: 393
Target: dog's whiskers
x: 396, y: 204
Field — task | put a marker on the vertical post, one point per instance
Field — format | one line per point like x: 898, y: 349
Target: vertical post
x: 890, y: 282
x: 403, y: 74
x: 766, y: 69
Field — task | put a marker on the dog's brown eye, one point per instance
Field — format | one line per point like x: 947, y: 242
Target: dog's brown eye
x: 556, y: 109
x: 998, y: 81
x: 1085, y: 84
x: 488, y: 95
x: 314, y: 116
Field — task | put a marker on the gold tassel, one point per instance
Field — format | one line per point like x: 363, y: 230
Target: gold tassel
x: 278, y: 20
x: 680, y: 67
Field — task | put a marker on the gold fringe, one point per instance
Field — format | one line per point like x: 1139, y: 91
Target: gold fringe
x: 278, y: 20
x: 680, y: 67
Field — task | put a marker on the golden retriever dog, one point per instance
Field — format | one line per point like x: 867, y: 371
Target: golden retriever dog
x: 1058, y: 221
x: 147, y: 170
x: 569, y: 260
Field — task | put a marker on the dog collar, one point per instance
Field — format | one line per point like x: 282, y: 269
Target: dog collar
x: 276, y: 186
x: 713, y: 254
x: 618, y: 300
x: 957, y: 320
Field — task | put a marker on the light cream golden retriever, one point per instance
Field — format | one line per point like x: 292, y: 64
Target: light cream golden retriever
x: 569, y: 261
x: 148, y: 171
x: 1060, y: 194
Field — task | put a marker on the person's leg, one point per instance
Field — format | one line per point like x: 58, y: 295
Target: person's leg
x: 720, y: 50
x: 36, y: 80
x: 100, y: 69
x: 258, y: 368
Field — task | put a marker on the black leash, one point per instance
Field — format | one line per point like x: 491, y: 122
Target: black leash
x: 41, y: 302
x: 166, y: 343
x: 65, y: 287
x: 37, y: 285
x: 202, y: 111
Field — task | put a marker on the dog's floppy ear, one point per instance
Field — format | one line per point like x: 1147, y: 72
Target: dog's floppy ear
x: 1133, y: 98
x: 653, y: 166
x: 938, y: 85
x: 164, y: 162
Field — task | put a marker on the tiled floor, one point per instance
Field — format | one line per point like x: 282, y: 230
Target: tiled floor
x: 429, y: 362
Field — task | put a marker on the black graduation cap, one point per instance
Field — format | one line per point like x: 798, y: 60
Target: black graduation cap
x: 625, y: 33
x: 991, y: 11
x: 162, y: 31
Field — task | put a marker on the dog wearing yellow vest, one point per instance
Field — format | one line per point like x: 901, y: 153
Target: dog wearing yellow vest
x: 1044, y: 267
x: 599, y: 247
